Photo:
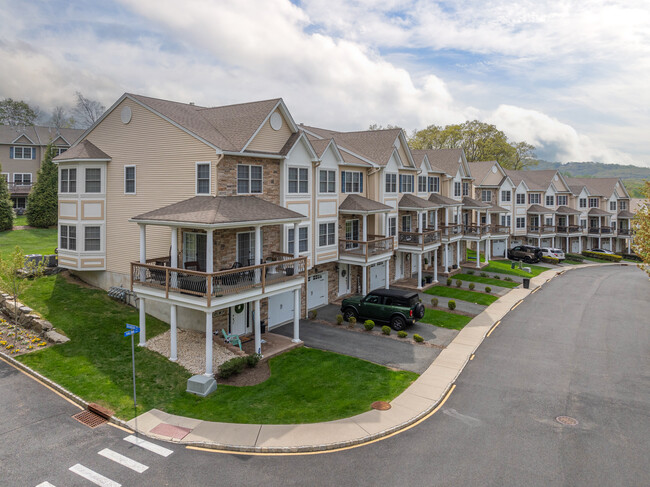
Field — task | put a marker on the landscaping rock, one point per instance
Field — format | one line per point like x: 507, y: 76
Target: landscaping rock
x: 55, y: 337
x: 25, y: 310
x: 40, y: 326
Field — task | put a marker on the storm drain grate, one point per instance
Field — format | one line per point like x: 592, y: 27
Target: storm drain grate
x: 89, y: 418
x: 567, y: 420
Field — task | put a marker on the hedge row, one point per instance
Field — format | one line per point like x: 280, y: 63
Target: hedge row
x: 598, y: 255
x: 550, y: 260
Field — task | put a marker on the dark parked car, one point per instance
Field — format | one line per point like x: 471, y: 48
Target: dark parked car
x: 395, y: 307
x: 528, y: 254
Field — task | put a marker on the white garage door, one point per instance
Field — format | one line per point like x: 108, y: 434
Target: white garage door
x: 575, y: 246
x: 377, y: 276
x: 280, y: 308
x: 317, y: 290
x: 499, y: 248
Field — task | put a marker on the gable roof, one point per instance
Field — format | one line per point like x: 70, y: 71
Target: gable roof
x: 472, y: 204
x: 412, y: 202
x: 539, y: 210
x: 83, y: 151
x: 448, y: 160
x: 565, y: 210
x: 535, y: 180
x: 356, y: 203
x: 481, y: 169
x: 38, y: 135
x: 596, y: 186
x: 443, y: 200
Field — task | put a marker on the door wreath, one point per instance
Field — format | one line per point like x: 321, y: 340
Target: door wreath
x: 239, y: 308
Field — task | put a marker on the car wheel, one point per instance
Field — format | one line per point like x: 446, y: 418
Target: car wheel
x: 397, y: 323
x: 419, y: 311
x: 349, y: 313
x: 527, y: 260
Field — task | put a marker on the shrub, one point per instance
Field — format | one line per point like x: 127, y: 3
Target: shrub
x: 252, y: 360
x: 418, y: 338
x: 576, y: 257
x: 471, y: 286
x: 42, y: 202
x: 313, y: 314
x: 550, y: 260
x: 339, y: 319
x: 426, y: 261
x: 471, y: 273
x: 509, y: 279
x: 402, y: 334
x: 598, y: 255
x: 459, y: 283
x: 369, y: 325
x: 496, y: 276
x: 6, y: 207
x: 633, y: 257
x: 449, y: 281
x: 488, y: 289
x: 352, y: 321
x: 232, y: 367
x: 484, y: 274
x: 385, y: 330
x: 451, y: 304
x: 434, y: 302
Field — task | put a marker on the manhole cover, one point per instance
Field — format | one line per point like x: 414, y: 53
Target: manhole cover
x: 380, y: 405
x: 89, y: 419
x: 566, y: 420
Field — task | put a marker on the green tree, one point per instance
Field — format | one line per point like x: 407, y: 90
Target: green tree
x: 16, y: 113
x: 641, y: 227
x: 522, y: 156
x: 6, y: 207
x: 42, y: 202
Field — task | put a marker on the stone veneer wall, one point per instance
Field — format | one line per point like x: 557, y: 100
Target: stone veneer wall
x: 227, y: 177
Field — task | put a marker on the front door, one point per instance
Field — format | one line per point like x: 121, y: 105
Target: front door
x: 344, y: 279
x: 239, y: 319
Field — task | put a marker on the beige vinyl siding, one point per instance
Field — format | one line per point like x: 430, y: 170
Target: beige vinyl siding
x: 403, y: 156
x: 492, y: 178
x: 269, y: 140
x: 12, y: 166
x: 165, y: 158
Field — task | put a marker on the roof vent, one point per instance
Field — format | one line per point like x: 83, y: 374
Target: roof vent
x: 192, y: 103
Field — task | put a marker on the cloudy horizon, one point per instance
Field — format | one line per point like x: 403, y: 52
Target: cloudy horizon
x: 568, y: 78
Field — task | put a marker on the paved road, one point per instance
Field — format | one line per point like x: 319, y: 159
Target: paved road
x: 578, y: 347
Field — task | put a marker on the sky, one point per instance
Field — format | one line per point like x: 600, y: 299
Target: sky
x: 569, y: 77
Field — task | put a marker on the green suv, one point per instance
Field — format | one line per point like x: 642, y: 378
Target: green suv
x: 395, y: 307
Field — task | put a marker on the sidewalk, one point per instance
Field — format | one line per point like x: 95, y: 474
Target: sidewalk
x: 418, y: 400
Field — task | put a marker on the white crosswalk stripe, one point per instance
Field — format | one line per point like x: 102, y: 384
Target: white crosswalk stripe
x: 147, y: 445
x: 45, y: 484
x: 122, y: 460
x: 93, y: 476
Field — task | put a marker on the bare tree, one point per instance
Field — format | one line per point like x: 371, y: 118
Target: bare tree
x: 87, y: 111
x: 60, y: 119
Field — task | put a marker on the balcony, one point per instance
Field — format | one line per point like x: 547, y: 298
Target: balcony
x: 499, y: 229
x: 359, y: 251
x: 541, y: 230
x: 624, y: 232
x: 451, y: 232
x: 211, y: 289
x: 19, y: 188
x: 476, y: 231
x: 426, y: 240
x: 568, y: 229
x: 609, y: 231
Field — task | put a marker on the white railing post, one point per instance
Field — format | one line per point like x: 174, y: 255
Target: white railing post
x: 257, y: 324
x: 173, y: 354
x: 258, y: 252
x: 143, y: 324
x: 208, y: 343
x: 143, y: 252
x: 173, y: 262
x: 296, y: 316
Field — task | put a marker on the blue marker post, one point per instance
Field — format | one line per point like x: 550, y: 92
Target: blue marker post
x: 130, y: 331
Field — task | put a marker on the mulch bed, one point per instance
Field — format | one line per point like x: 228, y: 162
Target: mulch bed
x: 248, y: 376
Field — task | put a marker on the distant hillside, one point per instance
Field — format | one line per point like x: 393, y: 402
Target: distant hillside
x: 632, y: 176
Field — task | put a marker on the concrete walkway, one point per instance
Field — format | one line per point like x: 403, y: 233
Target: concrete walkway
x: 414, y: 403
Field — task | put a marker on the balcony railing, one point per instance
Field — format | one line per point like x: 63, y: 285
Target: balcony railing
x: 419, y: 239
x: 625, y: 231
x: 19, y: 188
x: 541, y: 229
x: 500, y: 229
x: 471, y: 230
x: 376, y: 245
x: 450, y: 231
x: 601, y: 230
x: 216, y: 284
x: 568, y: 229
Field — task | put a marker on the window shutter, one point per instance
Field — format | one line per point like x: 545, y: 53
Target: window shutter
x: 33, y: 152
x: 342, y: 181
x: 11, y: 152
x: 360, y: 182
x: 401, y: 185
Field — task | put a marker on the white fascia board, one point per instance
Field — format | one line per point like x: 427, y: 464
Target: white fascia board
x: 81, y: 160
x: 217, y: 226
x: 373, y: 164
x: 285, y: 113
x: 305, y: 141
x: 407, y: 149
x: 26, y: 136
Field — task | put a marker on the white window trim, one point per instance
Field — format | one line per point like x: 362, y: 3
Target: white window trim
x: 329, y: 222
x: 135, y: 179
x: 546, y: 197
x: 76, y: 238
x: 360, y: 191
x: 196, y: 178
x: 359, y: 233
x: 101, y: 179
x: 31, y: 179
x: 597, y: 202
x: 524, y: 198
x: 458, y: 185
x: 435, y: 188
x: 327, y: 181
x: 518, y: 219
x: 565, y: 199
x: 83, y: 238
x: 425, y: 182
x: 297, y: 168
x: 392, y: 222
x: 290, y: 228
x: 509, y: 193
x: 394, y: 177
x: 22, y: 150
x: 485, y: 192
x: 76, y: 179
x: 405, y: 178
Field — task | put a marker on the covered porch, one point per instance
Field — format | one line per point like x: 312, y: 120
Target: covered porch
x: 477, y: 223
x: 568, y: 230
x: 601, y: 229
x: 541, y: 226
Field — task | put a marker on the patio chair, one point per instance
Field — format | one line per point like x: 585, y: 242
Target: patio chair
x: 232, y: 339
x: 231, y: 279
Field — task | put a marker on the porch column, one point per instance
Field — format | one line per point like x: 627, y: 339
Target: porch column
x: 258, y: 251
x: 419, y: 286
x: 478, y: 255
x: 387, y: 269
x: 174, y: 257
x: 568, y: 241
x: 580, y: 244
x: 488, y: 251
x: 365, y: 229
x: 458, y: 253
x: 447, y: 215
x: 386, y: 229
x: 435, y: 220
x: 296, y: 316
x: 173, y: 354
x: 435, y: 265
x: 258, y: 326
x: 599, y: 244
x: 208, y: 344
x: 629, y: 245
x: 209, y: 251
x: 143, y: 251
x: 296, y: 250
x: 364, y: 279
x: 446, y: 258
x: 142, y: 324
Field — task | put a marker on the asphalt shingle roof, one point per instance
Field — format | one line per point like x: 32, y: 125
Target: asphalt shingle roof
x: 446, y: 159
x: 412, y: 202
x: 84, y: 151
x: 355, y: 203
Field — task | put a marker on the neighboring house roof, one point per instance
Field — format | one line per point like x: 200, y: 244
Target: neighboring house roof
x: 443, y: 200
x: 535, y: 180
x: 565, y: 210
x: 637, y: 203
x: 596, y: 186
x: 446, y: 159
x: 83, y: 151
x: 472, y: 204
x: 539, y: 210
x: 220, y: 211
x: 497, y: 209
x: 598, y: 212
x: 38, y: 135
x: 412, y: 202
x: 625, y: 214
x: 480, y: 169
x: 576, y: 189
x: 319, y: 145
x: 355, y: 203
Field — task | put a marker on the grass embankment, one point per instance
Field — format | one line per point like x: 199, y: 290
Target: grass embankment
x: 503, y: 267
x: 444, y: 319
x: 31, y: 240
x: 485, y: 280
x: 462, y: 294
x: 305, y: 385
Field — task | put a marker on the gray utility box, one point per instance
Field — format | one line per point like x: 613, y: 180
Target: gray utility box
x: 201, y: 385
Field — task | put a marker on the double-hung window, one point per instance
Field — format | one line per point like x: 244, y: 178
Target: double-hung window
x: 457, y: 189
x: 520, y: 222
x: 533, y: 199
x: 93, y: 180
x: 422, y: 184
x: 465, y: 189
x: 23, y: 153
x: 391, y: 183
x: 506, y: 196
x: 249, y: 179
x: 406, y: 223
x: 326, y: 234
x: 622, y: 205
x: 486, y: 195
x: 203, y: 178
x: 550, y: 200
x: 521, y: 198
x: 505, y: 220
x: 69, y: 180
x: 92, y: 238
x: 583, y: 202
x: 68, y: 237
x: 351, y: 182
x: 406, y: 183
x: 392, y: 226
x: 351, y: 233
x: 303, y: 240
x: 434, y: 184
x: 23, y: 179
x: 298, y: 180
x: 129, y: 179
x: 327, y: 183
x: 612, y: 206
x: 561, y: 200
x: 593, y: 203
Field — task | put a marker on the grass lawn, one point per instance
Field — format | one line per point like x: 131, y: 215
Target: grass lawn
x: 503, y: 267
x: 444, y: 319
x: 572, y: 262
x: 31, y: 240
x: 485, y: 280
x: 305, y: 385
x: 471, y: 255
x: 462, y: 294
x: 20, y: 220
